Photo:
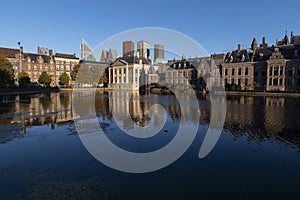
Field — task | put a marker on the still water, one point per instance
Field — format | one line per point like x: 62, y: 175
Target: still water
x: 42, y: 156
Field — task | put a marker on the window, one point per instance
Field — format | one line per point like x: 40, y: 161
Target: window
x: 289, y: 81
x: 225, y: 81
x: 29, y: 67
x: 276, y: 70
x: 232, y: 72
x: 281, y: 70
x: 275, y: 81
x: 290, y: 72
x: 280, y: 81
x: 270, y: 81
x: 270, y: 71
x: 239, y: 81
x: 232, y: 81
x: 240, y: 71
x: 246, y: 81
x: 246, y: 71
x: 226, y: 72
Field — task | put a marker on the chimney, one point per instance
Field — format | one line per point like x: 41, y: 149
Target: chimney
x: 264, y: 44
x: 50, y: 52
x: 292, y: 37
x: 239, y: 47
x: 21, y: 49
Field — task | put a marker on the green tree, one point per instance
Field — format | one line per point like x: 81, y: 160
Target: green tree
x: 24, y: 79
x: 6, y: 71
x: 64, y: 79
x: 45, y: 78
x: 103, y: 79
x: 75, y: 71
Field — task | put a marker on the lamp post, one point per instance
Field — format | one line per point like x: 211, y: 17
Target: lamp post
x: 20, y: 55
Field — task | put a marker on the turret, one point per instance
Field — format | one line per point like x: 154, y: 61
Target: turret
x: 254, y: 44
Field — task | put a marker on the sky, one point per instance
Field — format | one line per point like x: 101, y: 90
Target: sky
x: 219, y: 26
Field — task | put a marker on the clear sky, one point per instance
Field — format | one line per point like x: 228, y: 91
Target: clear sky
x: 216, y: 25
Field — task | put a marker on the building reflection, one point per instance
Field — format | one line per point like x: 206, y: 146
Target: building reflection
x: 263, y: 118
x: 43, y: 109
x: 138, y: 107
x: 255, y: 118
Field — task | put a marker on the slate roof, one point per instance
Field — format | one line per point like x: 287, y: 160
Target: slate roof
x: 34, y: 57
x: 183, y: 64
x: 263, y: 54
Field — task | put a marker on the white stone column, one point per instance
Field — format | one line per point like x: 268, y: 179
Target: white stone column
x: 113, y: 78
x: 127, y: 74
x: 109, y: 75
x: 118, y: 74
x: 133, y: 75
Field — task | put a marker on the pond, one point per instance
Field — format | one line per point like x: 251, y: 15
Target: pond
x: 42, y: 155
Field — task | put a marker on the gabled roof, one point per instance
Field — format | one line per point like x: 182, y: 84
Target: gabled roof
x: 131, y: 60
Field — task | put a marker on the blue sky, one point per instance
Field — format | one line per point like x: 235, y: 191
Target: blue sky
x: 216, y: 25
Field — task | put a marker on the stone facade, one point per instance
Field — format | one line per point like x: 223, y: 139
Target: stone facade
x: 129, y: 73
x: 181, y: 72
x: 274, y: 68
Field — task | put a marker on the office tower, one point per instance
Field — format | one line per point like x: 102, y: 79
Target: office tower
x: 128, y: 48
x: 159, y: 51
x: 143, y: 49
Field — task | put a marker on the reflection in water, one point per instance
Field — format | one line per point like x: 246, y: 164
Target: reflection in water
x: 257, y: 118
x: 36, y: 110
x: 264, y: 118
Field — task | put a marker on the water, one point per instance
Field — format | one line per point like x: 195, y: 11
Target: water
x: 42, y: 157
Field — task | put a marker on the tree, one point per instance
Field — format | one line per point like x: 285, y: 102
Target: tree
x: 24, y: 79
x: 75, y: 71
x: 45, y: 78
x: 64, y: 79
x: 6, y: 71
x: 103, y: 79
